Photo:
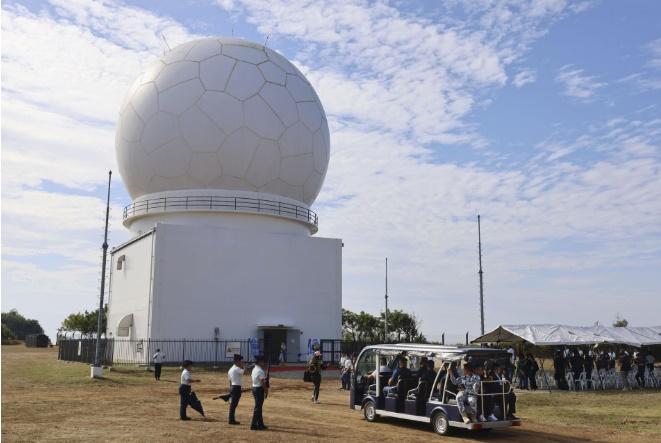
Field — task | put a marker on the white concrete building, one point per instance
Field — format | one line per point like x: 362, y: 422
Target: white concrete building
x: 224, y: 145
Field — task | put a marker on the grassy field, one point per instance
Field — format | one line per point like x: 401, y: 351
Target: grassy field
x: 44, y: 399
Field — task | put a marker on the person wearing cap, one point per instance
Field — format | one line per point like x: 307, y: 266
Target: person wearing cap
x: 235, y: 374
x: 259, y: 391
x: 315, y: 366
x: 185, y: 388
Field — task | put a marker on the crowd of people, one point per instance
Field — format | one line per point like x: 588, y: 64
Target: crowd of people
x: 578, y: 367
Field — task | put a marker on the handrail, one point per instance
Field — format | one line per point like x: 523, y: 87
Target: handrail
x: 211, y: 202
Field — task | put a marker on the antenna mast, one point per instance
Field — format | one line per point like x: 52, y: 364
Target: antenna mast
x: 385, y: 323
x: 99, y: 323
x: 479, y: 248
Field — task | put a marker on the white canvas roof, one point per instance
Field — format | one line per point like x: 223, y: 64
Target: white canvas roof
x: 563, y: 335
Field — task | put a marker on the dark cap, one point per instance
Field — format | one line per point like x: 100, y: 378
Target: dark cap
x: 187, y: 363
x: 238, y: 357
x: 259, y: 358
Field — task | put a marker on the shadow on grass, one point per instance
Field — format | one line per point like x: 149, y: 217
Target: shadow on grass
x: 503, y: 434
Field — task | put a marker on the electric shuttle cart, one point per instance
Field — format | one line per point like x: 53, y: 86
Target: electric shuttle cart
x: 413, y: 400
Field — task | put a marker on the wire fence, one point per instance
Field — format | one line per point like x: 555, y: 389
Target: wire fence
x: 210, y: 353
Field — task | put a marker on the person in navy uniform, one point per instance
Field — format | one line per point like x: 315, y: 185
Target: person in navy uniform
x: 235, y: 375
x: 185, y: 388
x: 259, y: 392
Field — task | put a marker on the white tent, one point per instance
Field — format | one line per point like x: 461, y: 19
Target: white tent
x: 563, y: 335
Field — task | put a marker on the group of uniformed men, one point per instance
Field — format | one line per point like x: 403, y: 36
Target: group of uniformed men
x: 260, y: 387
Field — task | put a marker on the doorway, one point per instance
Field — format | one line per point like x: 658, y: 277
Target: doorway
x: 273, y: 340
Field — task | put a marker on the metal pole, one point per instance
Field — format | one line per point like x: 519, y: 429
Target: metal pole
x: 479, y: 246
x: 385, y: 323
x: 99, y: 324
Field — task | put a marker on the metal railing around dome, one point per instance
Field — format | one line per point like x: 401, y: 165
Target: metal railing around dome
x: 211, y: 202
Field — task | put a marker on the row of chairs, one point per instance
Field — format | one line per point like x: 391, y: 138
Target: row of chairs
x: 599, y: 380
x: 609, y: 379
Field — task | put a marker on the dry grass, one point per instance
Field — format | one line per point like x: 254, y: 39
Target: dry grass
x: 44, y: 399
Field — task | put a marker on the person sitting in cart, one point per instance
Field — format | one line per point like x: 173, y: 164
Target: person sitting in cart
x: 466, y: 398
x: 383, y: 370
x: 486, y: 405
x: 401, y: 372
x: 511, y: 397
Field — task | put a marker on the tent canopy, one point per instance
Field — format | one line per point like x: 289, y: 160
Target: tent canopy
x: 562, y: 335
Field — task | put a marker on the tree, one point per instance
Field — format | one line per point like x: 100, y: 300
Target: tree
x: 364, y: 326
x: 620, y: 323
x: 84, y: 322
x: 7, y: 334
x: 368, y: 326
x: 349, y: 324
x: 19, y: 325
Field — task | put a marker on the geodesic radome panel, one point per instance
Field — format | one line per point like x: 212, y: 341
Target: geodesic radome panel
x: 223, y: 114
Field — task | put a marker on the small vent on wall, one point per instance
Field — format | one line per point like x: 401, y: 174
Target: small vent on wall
x: 120, y: 262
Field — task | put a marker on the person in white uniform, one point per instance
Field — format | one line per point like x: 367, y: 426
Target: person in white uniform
x: 158, y: 359
x: 259, y: 391
x: 235, y: 374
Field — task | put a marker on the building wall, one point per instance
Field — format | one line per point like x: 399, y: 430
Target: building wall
x: 207, y: 277
x: 130, y: 288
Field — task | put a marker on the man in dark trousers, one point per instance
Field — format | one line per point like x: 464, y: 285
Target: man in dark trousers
x: 158, y: 359
x: 588, y: 367
x: 259, y: 391
x: 185, y: 388
x: 559, y: 366
x: 235, y: 374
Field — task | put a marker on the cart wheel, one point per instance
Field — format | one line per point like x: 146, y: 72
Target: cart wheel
x: 441, y: 424
x: 369, y: 411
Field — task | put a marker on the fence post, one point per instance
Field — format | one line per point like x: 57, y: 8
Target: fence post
x: 183, y: 350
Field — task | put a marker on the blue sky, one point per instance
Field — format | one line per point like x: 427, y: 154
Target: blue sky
x: 541, y: 115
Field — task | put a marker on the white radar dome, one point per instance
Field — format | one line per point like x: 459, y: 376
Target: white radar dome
x: 223, y: 114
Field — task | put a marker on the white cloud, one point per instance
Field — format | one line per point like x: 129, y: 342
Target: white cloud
x: 577, y: 84
x: 524, y: 77
x: 63, y: 81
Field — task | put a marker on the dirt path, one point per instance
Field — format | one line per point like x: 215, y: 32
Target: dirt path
x: 46, y: 400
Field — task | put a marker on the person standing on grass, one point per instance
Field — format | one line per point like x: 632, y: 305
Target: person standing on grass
x: 315, y: 365
x: 158, y: 359
x: 639, y: 361
x: 532, y: 369
x: 185, y: 388
x: 522, y: 371
x: 235, y: 374
x: 625, y: 367
x: 259, y: 392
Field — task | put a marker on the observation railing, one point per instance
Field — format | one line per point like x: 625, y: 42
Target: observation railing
x: 230, y: 204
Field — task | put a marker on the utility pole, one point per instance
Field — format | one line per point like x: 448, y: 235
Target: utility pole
x: 479, y: 247
x: 385, y: 323
x: 97, y: 371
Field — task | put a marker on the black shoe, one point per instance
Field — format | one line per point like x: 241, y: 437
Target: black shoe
x: 255, y: 428
x: 512, y: 417
x: 184, y: 418
x: 234, y: 422
x: 263, y: 428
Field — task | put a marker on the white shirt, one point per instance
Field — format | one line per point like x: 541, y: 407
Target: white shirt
x: 258, y: 375
x: 343, y: 359
x: 159, y: 358
x: 186, y: 377
x: 234, y: 374
x: 347, y: 364
x: 513, y: 355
